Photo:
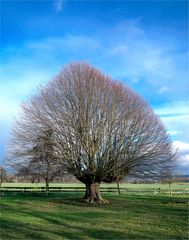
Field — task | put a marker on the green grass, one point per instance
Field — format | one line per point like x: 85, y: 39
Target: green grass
x: 66, y: 216
x: 124, y: 185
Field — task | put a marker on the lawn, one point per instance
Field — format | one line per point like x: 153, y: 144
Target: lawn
x: 66, y: 216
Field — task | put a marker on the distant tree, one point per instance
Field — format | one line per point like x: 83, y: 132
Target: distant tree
x: 169, y: 178
x: 33, y: 154
x: 102, y: 130
x: 42, y: 164
x: 3, y: 175
x: 25, y: 175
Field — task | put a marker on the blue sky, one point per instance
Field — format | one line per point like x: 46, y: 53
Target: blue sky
x: 141, y: 43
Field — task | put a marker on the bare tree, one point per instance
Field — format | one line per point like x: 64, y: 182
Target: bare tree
x: 3, y: 175
x: 169, y: 178
x: 102, y: 130
x: 32, y: 150
x: 43, y: 163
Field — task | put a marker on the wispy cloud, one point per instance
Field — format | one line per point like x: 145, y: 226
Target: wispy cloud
x: 129, y: 55
x: 140, y: 56
x: 164, y: 89
x: 18, y: 84
x: 175, y: 108
x: 58, y: 5
x: 174, y: 132
x: 68, y: 43
x: 34, y: 63
x: 175, y: 116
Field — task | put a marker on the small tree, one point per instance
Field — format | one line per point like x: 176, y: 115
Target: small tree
x: 168, y: 178
x: 34, y: 153
x: 3, y: 175
x: 43, y: 163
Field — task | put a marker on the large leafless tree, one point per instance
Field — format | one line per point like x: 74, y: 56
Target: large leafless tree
x: 102, y: 130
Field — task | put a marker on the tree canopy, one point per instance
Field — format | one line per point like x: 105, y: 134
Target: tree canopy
x: 100, y: 130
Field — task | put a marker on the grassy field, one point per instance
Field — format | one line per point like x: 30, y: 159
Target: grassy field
x: 124, y: 185
x: 66, y: 216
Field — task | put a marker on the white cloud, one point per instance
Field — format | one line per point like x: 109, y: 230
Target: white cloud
x: 183, y: 151
x: 183, y: 147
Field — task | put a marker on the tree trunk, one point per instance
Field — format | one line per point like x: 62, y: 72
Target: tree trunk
x: 92, y: 193
x: 118, y: 188
x: 170, y: 189
x: 87, y: 191
x: 47, y: 187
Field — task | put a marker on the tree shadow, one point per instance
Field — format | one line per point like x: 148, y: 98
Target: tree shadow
x: 73, y: 218
x: 21, y: 231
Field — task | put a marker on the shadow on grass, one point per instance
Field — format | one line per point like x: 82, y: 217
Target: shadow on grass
x: 68, y: 216
x: 16, y: 230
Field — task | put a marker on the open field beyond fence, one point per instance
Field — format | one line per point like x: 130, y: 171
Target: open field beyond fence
x: 176, y: 188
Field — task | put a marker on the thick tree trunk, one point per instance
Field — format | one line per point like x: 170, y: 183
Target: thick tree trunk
x: 87, y: 191
x: 92, y: 193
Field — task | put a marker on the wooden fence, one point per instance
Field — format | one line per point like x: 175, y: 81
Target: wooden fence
x: 151, y: 191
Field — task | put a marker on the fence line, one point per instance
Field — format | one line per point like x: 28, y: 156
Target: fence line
x: 154, y: 191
